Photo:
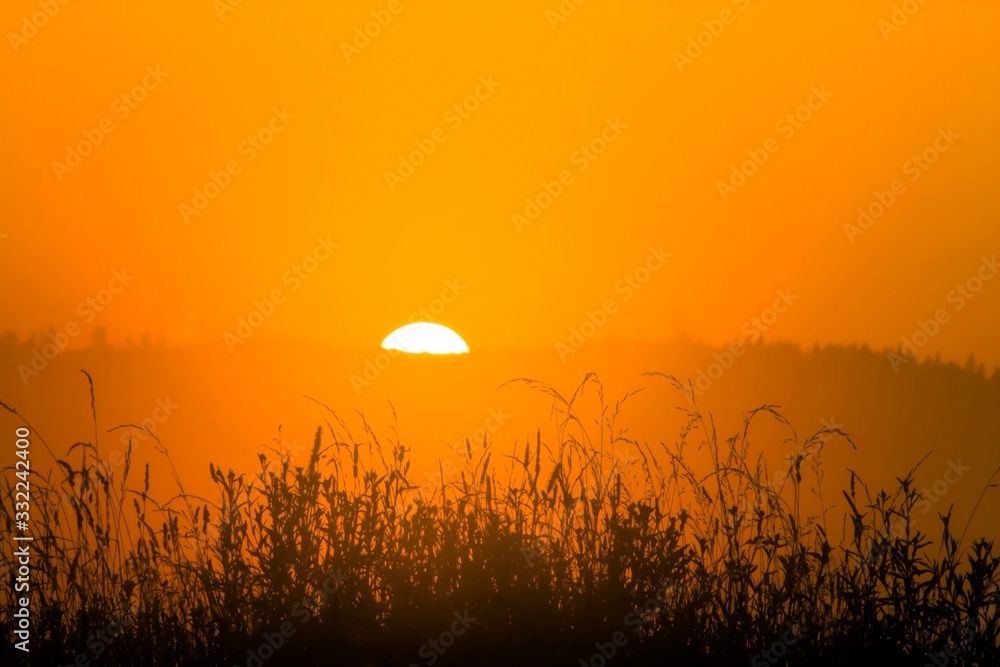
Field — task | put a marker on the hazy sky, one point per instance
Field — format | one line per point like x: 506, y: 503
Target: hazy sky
x: 309, y: 117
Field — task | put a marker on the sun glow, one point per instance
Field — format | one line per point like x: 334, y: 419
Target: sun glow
x: 425, y: 337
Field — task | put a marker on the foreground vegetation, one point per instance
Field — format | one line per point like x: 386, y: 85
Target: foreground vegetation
x: 557, y: 552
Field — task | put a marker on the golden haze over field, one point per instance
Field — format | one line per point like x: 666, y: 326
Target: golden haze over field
x: 539, y: 92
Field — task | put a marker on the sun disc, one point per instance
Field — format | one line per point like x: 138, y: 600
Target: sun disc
x: 425, y: 337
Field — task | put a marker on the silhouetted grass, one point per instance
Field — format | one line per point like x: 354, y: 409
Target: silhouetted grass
x: 551, y: 546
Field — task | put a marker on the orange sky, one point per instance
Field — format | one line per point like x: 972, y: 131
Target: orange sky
x: 200, y: 85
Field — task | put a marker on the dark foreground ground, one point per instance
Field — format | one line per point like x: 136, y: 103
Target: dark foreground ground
x: 562, y: 553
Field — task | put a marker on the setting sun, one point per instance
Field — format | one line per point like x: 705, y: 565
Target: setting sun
x: 425, y: 337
